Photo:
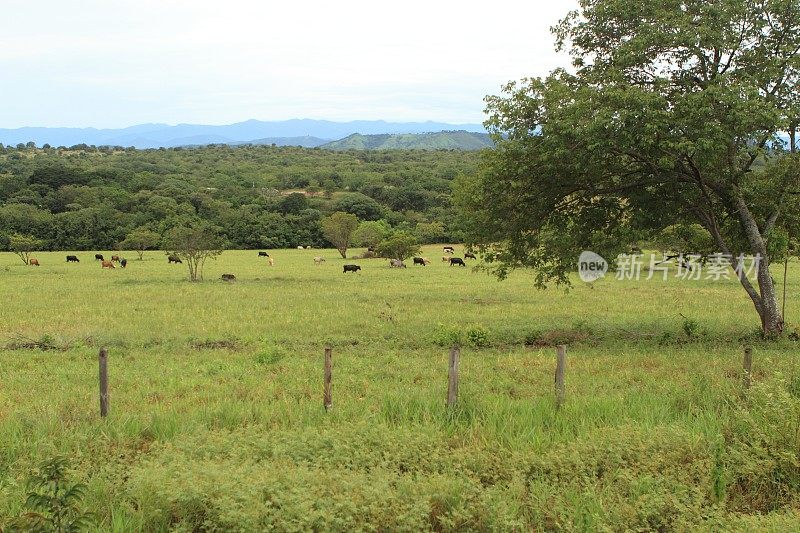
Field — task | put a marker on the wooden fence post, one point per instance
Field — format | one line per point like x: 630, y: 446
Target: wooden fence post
x: 561, y: 367
x: 452, y: 376
x: 747, y: 365
x: 327, y: 395
x: 103, y: 359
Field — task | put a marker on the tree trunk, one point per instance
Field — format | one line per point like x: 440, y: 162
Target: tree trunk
x: 766, y: 299
x: 771, y: 317
x: 343, y: 251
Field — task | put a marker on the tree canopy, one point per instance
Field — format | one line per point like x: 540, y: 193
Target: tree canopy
x: 86, y: 197
x: 338, y: 229
x: 672, y: 114
x: 400, y: 245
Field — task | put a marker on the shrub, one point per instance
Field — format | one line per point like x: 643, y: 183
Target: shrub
x: 690, y: 327
x: 477, y: 336
x: 446, y: 336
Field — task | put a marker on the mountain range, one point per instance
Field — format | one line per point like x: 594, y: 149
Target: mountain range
x: 295, y: 132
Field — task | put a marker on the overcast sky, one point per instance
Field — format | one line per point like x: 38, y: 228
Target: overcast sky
x: 114, y: 63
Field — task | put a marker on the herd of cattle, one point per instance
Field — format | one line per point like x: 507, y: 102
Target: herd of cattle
x: 393, y: 263
x: 422, y: 261
x: 97, y: 257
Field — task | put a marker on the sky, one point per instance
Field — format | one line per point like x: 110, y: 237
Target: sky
x: 116, y: 63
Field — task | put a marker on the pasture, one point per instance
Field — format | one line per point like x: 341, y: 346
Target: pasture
x: 216, y: 418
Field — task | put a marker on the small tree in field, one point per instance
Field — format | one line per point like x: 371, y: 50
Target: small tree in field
x: 338, y: 229
x: 140, y: 239
x: 193, y: 245
x: 24, y: 246
x: 370, y: 233
x: 399, y: 245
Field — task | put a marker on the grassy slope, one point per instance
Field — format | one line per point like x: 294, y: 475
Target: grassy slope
x: 216, y: 397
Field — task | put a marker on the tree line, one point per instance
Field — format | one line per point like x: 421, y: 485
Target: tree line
x: 98, y: 198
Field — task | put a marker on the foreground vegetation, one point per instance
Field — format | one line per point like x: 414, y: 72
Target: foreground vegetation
x: 217, y: 423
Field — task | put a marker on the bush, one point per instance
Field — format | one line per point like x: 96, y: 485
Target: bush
x: 271, y: 355
x: 477, y: 336
x: 446, y: 336
x: 690, y: 327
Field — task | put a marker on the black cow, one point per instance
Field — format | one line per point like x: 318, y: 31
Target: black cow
x: 351, y: 268
x: 469, y: 255
x: 457, y: 261
x: 99, y: 257
x: 263, y: 254
x: 419, y: 261
x: 123, y: 262
x: 228, y: 277
x: 174, y: 259
x: 73, y: 259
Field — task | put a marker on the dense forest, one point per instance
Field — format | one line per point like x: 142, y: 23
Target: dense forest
x: 86, y: 197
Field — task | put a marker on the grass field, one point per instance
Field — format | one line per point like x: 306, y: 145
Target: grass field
x: 217, y: 423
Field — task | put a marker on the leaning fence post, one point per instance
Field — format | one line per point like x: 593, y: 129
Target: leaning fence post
x: 103, y: 360
x: 747, y: 365
x: 561, y: 367
x: 327, y: 396
x: 452, y: 376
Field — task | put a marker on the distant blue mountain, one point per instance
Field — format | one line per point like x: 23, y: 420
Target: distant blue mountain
x: 286, y: 132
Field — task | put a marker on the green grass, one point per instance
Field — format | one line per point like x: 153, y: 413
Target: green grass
x: 216, y: 398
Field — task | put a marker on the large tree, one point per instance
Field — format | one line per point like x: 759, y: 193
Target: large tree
x: 671, y: 114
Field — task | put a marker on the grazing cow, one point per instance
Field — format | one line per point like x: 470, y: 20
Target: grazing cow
x: 98, y: 257
x: 457, y: 261
x: 420, y: 261
x: 351, y: 268
x: 449, y: 250
x: 123, y: 262
x: 299, y: 247
x: 107, y: 264
x: 396, y: 263
x: 174, y: 259
x: 445, y: 259
x: 33, y: 262
x: 263, y: 254
x: 319, y: 260
x: 115, y: 258
x: 228, y: 277
x: 469, y: 255
x: 73, y: 259
x: 271, y: 262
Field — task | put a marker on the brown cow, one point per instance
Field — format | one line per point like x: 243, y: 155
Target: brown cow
x: 108, y: 264
x: 115, y: 258
x: 33, y: 262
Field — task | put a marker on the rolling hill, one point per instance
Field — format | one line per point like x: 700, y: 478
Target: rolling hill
x: 447, y: 140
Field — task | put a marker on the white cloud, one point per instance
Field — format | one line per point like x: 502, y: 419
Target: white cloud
x: 115, y: 63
